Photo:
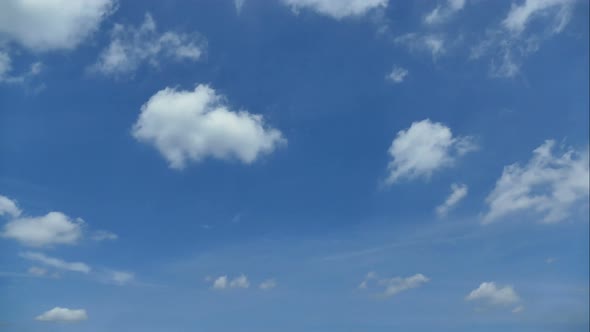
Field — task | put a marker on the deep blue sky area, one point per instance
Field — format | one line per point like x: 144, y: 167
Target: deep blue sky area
x: 294, y: 165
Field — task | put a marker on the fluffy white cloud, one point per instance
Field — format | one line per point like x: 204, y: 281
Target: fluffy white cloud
x: 431, y: 43
x: 55, y: 262
x: 458, y: 192
x: 268, y: 284
x: 424, y: 148
x: 397, y: 74
x: 191, y: 125
x: 549, y: 186
x: 50, y: 229
x: 520, y: 15
x: 337, y: 9
x: 58, y: 314
x: 9, y: 207
x: 51, y: 24
x: 130, y: 47
x: 492, y: 294
x: 443, y: 12
x: 220, y: 282
x: 393, y: 286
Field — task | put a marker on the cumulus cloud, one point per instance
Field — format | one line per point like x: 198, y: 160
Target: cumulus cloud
x: 189, y: 126
x: 458, y: 192
x: 337, y: 9
x: 548, y: 186
x: 55, y: 262
x: 489, y: 293
x: 416, y: 42
x: 424, y: 148
x: 51, y: 229
x: 397, y: 74
x: 224, y: 282
x: 51, y: 24
x: 393, y: 286
x: 268, y: 284
x: 9, y: 207
x: 58, y: 314
x: 130, y: 47
x: 442, y: 13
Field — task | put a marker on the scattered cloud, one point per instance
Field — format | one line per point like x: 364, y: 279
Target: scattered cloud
x: 8, y: 206
x: 224, y: 282
x: 549, y: 186
x: 397, y: 74
x: 518, y: 309
x: 51, y: 25
x: 458, y: 192
x: 51, y: 229
x: 393, y: 286
x: 58, y: 314
x: 424, y: 148
x: 508, y: 44
x: 121, y: 278
x: 520, y: 15
x: 192, y: 125
x: 240, y: 282
x: 268, y: 284
x: 417, y: 42
x: 55, y: 262
x: 220, y: 283
x: 442, y: 13
x: 102, y: 235
x: 337, y: 9
x: 6, y: 75
x: 239, y: 5
x: 130, y: 47
x: 489, y: 293
x: 550, y: 260
x: 37, y: 271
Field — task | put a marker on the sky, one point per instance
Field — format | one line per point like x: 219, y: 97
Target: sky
x: 294, y: 165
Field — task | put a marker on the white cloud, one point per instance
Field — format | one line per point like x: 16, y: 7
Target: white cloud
x: 268, y: 284
x: 393, y: 286
x: 37, y: 271
x: 397, y: 74
x: 424, y: 148
x: 51, y: 229
x: 434, y: 44
x: 51, y: 24
x: 337, y: 9
x: 240, y: 282
x: 492, y: 294
x: 396, y: 285
x: 58, y: 314
x: 458, y: 192
x: 520, y: 15
x: 192, y: 125
x: 220, y: 283
x: 6, y: 75
x: 444, y: 12
x: 55, y: 262
x: 130, y: 47
x: 239, y: 5
x: 121, y: 278
x: 102, y: 235
x: 549, y: 186
x: 8, y: 206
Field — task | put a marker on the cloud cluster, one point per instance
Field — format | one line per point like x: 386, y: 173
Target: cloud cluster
x: 424, y: 148
x: 56, y: 262
x: 130, y: 47
x: 188, y: 126
x: 59, y: 314
x: 397, y: 74
x: 51, y: 229
x: 337, y: 9
x: 224, y: 282
x: 490, y: 293
x: 442, y: 13
x: 549, y: 186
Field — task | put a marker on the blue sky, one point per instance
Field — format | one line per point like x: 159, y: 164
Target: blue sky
x: 294, y: 165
